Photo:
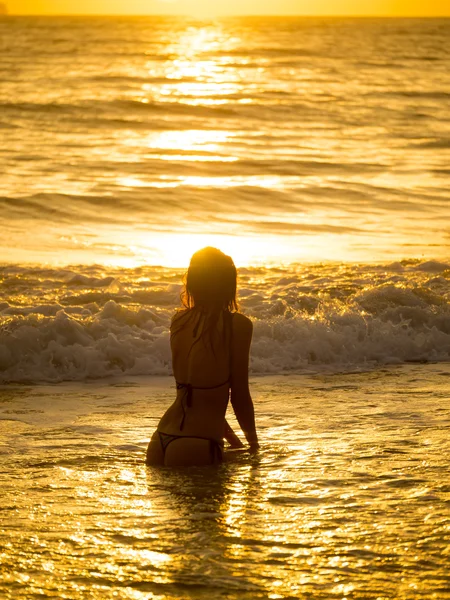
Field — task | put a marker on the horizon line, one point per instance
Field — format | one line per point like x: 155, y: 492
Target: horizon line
x: 304, y: 16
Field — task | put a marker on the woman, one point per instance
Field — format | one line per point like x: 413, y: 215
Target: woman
x: 210, y: 344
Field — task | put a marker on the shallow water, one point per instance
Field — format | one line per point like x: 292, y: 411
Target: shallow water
x: 348, y: 497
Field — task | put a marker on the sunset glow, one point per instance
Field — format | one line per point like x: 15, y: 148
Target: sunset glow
x: 308, y: 142
x: 168, y: 250
x: 206, y: 8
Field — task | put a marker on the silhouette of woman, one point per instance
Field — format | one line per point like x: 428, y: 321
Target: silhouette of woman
x: 210, y: 342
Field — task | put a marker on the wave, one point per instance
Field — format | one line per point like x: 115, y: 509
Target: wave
x: 43, y: 107
x: 71, y: 209
x: 83, y: 109
x: 436, y: 144
x: 269, y: 52
x: 101, y: 326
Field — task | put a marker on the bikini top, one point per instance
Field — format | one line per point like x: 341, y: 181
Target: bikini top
x: 187, y: 400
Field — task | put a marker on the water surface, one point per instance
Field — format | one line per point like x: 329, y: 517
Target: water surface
x: 138, y: 140
x: 347, y: 498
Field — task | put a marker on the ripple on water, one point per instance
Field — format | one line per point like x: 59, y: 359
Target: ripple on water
x: 322, y: 510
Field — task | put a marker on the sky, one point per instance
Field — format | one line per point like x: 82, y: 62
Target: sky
x: 233, y: 7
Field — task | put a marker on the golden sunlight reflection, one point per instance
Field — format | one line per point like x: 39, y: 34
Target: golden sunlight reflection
x: 149, y: 556
x: 195, y: 158
x: 197, y: 71
x: 168, y: 249
x: 188, y: 145
x: 174, y: 249
x: 198, y: 40
x: 234, y: 510
x: 187, y: 140
x: 262, y: 181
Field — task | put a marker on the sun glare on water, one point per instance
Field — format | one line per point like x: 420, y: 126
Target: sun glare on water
x: 191, y: 183
x: 208, y: 78
x: 175, y: 250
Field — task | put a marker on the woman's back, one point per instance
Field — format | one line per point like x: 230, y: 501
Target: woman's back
x: 201, y: 349
x: 201, y: 365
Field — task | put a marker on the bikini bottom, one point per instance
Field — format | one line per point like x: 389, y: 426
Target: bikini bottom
x: 215, y: 449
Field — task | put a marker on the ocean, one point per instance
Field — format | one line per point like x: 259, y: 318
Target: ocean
x: 132, y: 141
x: 315, y: 151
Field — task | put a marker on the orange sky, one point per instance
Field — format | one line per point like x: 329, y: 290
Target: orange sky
x: 247, y: 7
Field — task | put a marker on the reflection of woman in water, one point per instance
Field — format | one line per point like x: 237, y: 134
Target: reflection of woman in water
x: 210, y: 344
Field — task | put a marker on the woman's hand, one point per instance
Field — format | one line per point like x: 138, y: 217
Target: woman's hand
x: 254, y: 447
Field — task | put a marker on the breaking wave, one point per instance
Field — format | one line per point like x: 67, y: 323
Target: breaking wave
x: 59, y: 325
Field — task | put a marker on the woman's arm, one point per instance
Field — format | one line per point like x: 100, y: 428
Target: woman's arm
x: 240, y: 394
x: 231, y: 437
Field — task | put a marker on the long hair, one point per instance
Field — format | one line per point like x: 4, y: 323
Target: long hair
x: 210, y: 285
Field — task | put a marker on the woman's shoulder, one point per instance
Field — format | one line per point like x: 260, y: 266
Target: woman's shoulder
x: 241, y: 323
x: 180, y: 312
x: 179, y: 315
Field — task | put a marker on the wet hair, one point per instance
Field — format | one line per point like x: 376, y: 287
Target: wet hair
x: 210, y: 288
x: 210, y: 282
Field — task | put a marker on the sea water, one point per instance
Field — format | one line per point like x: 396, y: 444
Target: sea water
x: 138, y: 140
x: 348, y: 496
x: 315, y: 152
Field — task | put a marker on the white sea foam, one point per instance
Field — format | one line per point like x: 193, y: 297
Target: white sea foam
x: 305, y: 318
